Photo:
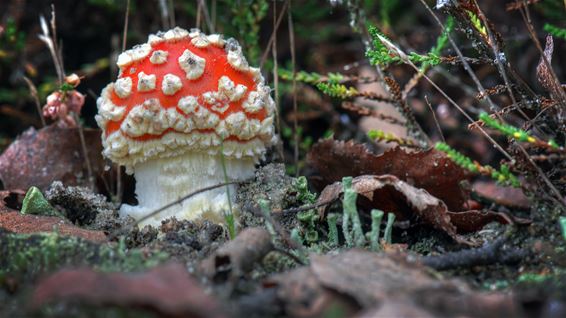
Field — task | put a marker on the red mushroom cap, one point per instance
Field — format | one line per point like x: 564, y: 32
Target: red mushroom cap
x: 184, y: 92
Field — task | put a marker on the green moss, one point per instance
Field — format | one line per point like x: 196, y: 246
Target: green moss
x: 28, y: 255
x: 35, y: 203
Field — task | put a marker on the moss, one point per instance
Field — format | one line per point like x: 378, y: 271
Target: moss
x: 35, y: 203
x: 28, y: 255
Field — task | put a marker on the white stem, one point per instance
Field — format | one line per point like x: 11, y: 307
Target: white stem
x: 161, y: 181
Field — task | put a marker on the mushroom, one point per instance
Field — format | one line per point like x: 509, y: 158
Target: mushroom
x: 181, y: 102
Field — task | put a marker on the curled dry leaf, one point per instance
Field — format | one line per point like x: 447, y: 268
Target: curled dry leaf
x: 544, y: 75
x: 39, y: 157
x: 370, y: 282
x: 390, y: 194
x: 431, y: 170
x: 27, y: 224
x: 167, y: 290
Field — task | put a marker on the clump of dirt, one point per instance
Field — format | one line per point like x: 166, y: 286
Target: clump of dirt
x: 271, y: 183
x: 83, y: 207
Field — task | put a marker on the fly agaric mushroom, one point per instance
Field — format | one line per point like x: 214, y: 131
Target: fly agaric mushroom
x: 181, y: 102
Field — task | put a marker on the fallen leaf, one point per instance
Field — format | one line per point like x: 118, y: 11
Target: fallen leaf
x: 167, y: 290
x: 27, y: 224
x: 39, y: 157
x: 390, y: 194
x: 507, y: 196
x: 544, y: 75
x: 431, y: 170
x: 383, y: 284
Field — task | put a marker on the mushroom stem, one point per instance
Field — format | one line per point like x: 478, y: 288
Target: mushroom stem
x: 161, y: 181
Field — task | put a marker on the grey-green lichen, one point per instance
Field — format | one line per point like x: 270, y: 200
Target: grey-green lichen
x: 27, y: 255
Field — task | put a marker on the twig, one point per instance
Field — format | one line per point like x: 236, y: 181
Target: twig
x: 172, y: 11
x: 272, y: 37
x: 126, y: 18
x: 84, y: 150
x: 164, y: 14
x: 488, y: 254
x: 167, y: 206
x: 33, y: 92
x: 435, y: 119
x: 276, y: 79
x: 295, y: 106
x: 204, y: 8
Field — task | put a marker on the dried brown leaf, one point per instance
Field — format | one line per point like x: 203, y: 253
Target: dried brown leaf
x: 383, y: 284
x: 39, y: 157
x: 507, y: 196
x: 168, y: 290
x: 431, y: 170
x: 27, y: 223
x: 408, y: 203
x: 544, y: 75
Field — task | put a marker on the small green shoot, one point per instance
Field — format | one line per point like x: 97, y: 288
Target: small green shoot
x: 514, y: 132
x: 355, y: 235
x: 555, y: 31
x: 338, y: 90
x: 376, y: 217
x: 265, y: 208
x: 503, y: 176
x: 228, y: 215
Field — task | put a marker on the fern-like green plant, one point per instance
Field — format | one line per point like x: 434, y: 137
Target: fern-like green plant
x: 382, y: 53
x: 555, y: 31
x: 514, y: 132
x: 337, y: 90
x: 503, y: 176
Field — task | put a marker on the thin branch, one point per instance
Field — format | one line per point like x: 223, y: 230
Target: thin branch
x: 276, y: 79
x: 295, y: 106
x: 33, y: 92
x: 272, y: 37
x: 204, y: 9
x: 126, y: 18
x: 435, y: 119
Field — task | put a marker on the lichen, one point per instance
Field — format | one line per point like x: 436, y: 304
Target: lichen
x: 28, y: 255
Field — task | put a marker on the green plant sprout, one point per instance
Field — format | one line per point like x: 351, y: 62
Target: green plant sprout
x: 265, y: 208
x: 332, y: 220
x: 389, y: 228
x: 228, y: 215
x: 376, y: 216
x: 440, y: 42
x: 384, y: 53
x: 380, y: 135
x: 355, y: 235
x: 338, y: 90
x: 308, y: 220
x: 303, y: 194
x: 555, y: 31
x: 312, y: 77
x: 476, y: 22
x: 503, y: 176
x: 516, y: 133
